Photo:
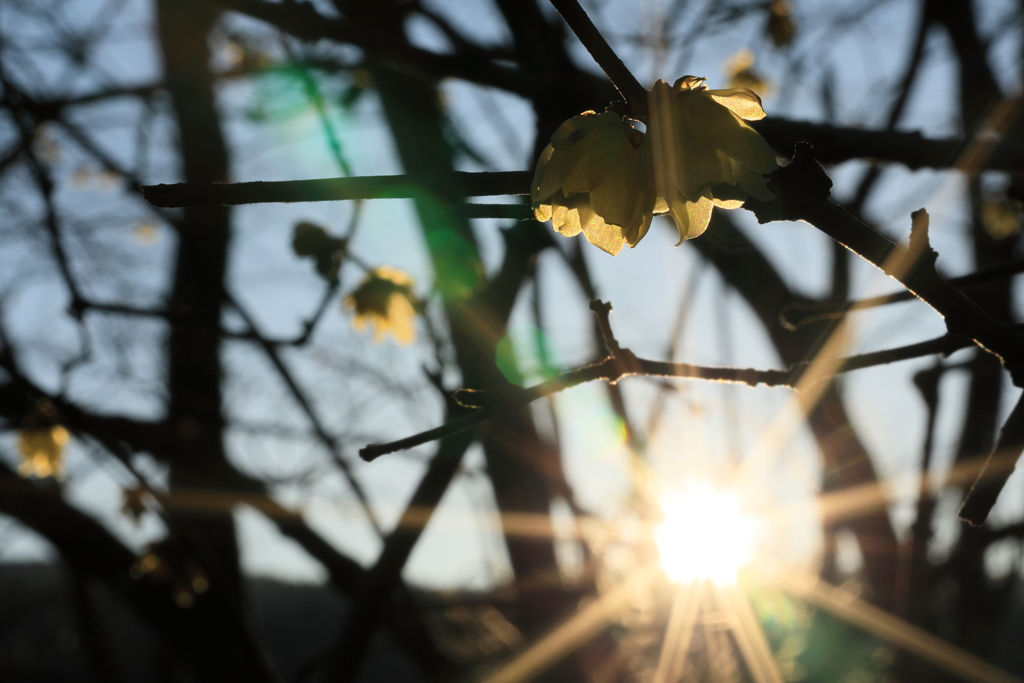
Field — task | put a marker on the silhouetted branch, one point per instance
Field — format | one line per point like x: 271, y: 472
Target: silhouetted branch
x: 211, y: 635
x: 621, y: 77
x: 872, y: 174
x: 611, y: 369
x: 328, y: 441
x: 508, y: 399
x: 983, y: 494
x: 803, y: 188
x: 832, y: 144
x: 443, y: 184
x: 304, y: 22
x: 379, y: 582
x: 836, y: 144
x: 795, y: 315
x: 17, y: 100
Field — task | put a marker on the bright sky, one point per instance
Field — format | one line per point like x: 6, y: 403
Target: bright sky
x: 647, y: 286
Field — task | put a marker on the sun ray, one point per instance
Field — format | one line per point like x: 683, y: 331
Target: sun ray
x: 579, y: 627
x: 718, y: 648
x: 850, y: 503
x: 889, y: 627
x: 791, y: 417
x: 749, y: 636
x: 685, y: 610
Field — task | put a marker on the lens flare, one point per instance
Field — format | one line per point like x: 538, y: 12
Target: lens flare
x: 705, y: 535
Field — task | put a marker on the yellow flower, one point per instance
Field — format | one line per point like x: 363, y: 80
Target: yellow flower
x: 740, y: 70
x: 699, y: 148
x: 602, y: 177
x: 385, y: 300
x: 42, y: 451
x: 589, y: 180
x: 1001, y: 217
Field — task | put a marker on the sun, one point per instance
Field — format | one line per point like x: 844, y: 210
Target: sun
x: 705, y: 535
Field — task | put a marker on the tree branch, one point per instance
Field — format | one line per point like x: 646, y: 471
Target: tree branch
x: 983, y: 494
x: 802, y: 190
x: 299, y: 395
x: 832, y: 145
x: 796, y: 314
x: 622, y: 363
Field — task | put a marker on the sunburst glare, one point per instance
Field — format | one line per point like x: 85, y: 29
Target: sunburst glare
x: 705, y: 535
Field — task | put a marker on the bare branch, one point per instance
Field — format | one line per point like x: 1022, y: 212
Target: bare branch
x: 445, y: 184
x: 797, y: 314
x: 803, y: 189
x: 508, y: 399
x: 983, y: 494
x: 299, y: 395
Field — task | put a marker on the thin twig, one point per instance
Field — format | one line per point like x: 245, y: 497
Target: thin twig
x: 329, y: 441
x: 795, y: 315
x: 444, y: 184
x: 312, y: 89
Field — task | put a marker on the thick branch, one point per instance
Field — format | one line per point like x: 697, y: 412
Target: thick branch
x: 803, y: 188
x: 836, y: 144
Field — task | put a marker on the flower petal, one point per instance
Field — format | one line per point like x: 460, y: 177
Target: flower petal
x: 699, y: 164
x: 728, y: 203
x: 571, y: 131
x: 743, y: 102
x: 700, y: 216
x: 612, y: 177
x: 538, y: 175
x: 754, y: 183
x: 681, y: 217
x: 731, y: 134
x: 633, y: 237
x: 603, y: 236
x: 573, y: 167
x: 566, y: 221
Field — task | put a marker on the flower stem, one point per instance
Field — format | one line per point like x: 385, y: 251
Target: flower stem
x: 620, y: 76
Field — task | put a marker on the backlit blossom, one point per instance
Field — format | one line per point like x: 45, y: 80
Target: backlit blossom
x: 385, y: 301
x: 701, y: 153
x: 602, y: 177
x: 42, y: 451
x: 588, y: 180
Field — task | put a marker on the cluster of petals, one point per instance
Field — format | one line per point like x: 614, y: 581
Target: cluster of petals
x: 602, y: 177
x: 384, y: 300
x: 42, y: 451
